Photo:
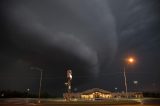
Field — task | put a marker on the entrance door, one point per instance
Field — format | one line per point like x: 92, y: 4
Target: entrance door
x: 97, y: 95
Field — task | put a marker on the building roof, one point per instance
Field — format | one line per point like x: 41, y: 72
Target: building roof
x: 95, y: 90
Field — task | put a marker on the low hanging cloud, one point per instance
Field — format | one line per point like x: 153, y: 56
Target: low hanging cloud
x: 89, y: 40
x: 88, y: 36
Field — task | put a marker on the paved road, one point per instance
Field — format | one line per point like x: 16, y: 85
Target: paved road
x: 31, y: 102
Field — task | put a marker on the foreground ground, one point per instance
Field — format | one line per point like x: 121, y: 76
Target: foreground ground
x: 60, y: 102
x: 71, y: 105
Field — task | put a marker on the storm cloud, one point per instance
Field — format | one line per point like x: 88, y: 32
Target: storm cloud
x: 88, y: 37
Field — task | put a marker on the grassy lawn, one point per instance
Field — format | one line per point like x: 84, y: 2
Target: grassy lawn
x: 104, y: 102
x: 61, y: 102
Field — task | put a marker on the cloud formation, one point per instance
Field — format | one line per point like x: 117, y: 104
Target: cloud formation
x: 90, y: 37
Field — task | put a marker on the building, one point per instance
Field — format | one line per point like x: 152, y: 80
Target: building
x: 95, y: 93
x: 100, y: 94
x: 130, y: 95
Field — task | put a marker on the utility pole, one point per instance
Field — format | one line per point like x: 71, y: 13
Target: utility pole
x: 128, y: 61
x: 40, y: 86
x: 40, y: 82
x: 125, y: 82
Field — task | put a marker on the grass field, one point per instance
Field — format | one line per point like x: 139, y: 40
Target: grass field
x: 61, y: 102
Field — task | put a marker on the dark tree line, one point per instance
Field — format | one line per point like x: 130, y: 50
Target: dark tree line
x: 151, y: 94
x: 18, y: 94
x: 25, y: 94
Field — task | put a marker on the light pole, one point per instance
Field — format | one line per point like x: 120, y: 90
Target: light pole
x: 40, y: 82
x: 115, y: 89
x: 40, y: 85
x: 27, y: 94
x: 125, y: 81
x: 135, y: 84
x: 128, y: 60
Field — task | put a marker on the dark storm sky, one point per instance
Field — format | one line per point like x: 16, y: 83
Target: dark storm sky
x: 90, y: 37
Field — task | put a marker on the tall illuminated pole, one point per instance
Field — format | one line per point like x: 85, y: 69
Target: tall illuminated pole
x: 129, y: 60
x: 125, y: 81
x: 135, y: 83
x: 40, y: 82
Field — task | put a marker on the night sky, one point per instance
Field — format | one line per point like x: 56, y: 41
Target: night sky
x: 90, y: 37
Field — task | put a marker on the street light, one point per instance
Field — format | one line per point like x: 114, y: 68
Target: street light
x: 135, y: 83
x: 129, y: 60
x: 27, y: 95
x: 40, y: 82
x: 116, y: 89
